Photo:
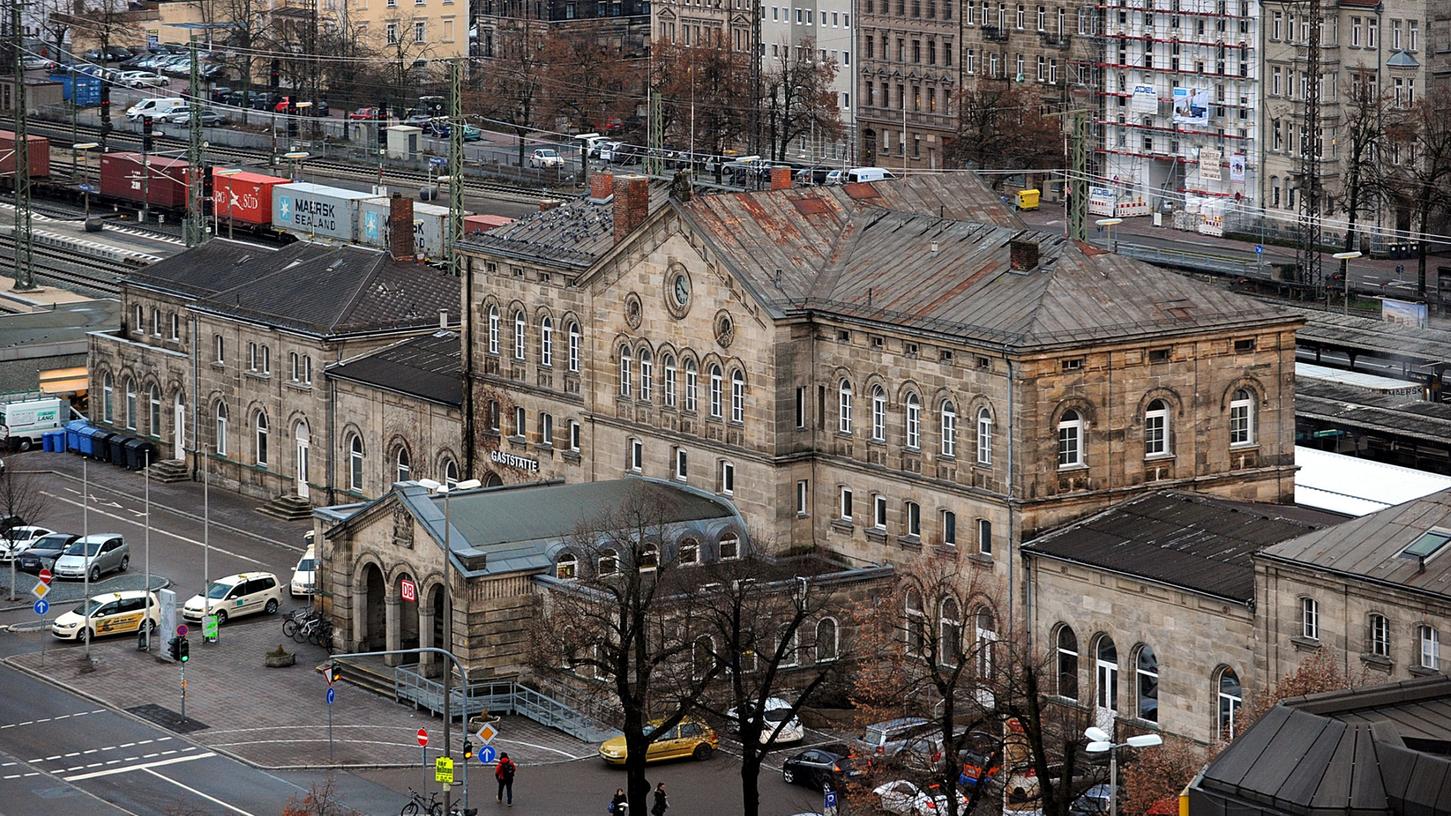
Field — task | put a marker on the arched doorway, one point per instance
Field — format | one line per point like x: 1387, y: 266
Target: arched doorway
x: 373, y: 627
x: 439, y: 628
x: 491, y: 479
x: 407, y: 613
x: 178, y: 421
x: 304, y: 440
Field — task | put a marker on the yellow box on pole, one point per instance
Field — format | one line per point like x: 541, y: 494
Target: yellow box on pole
x: 443, y: 770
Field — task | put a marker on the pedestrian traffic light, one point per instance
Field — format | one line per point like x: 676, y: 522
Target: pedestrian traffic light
x: 183, y: 650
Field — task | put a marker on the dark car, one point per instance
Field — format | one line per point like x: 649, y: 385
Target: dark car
x: 822, y: 765
x: 43, y: 553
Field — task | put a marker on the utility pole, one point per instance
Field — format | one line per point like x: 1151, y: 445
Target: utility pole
x: 196, y: 221
x: 455, y: 168
x: 1078, y: 181
x: 24, y: 263
x: 1307, y: 251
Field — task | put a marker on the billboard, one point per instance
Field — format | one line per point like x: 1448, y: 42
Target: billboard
x: 1209, y: 164
x: 1191, y: 106
x: 1403, y: 312
x: 1145, y: 100
x: 1236, y: 167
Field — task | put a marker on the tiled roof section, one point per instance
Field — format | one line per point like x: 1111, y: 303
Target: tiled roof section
x: 428, y: 367
x: 311, y: 288
x: 932, y: 253
x: 1187, y: 540
x: 1389, y: 414
x: 576, y: 233
x: 1370, y: 546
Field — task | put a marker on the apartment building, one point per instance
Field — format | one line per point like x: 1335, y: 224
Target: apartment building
x: 823, y: 28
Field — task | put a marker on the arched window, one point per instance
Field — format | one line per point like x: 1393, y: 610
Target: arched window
x: 574, y: 343
x: 608, y: 563
x: 730, y: 547
x: 566, y: 567
x: 153, y: 418
x: 519, y: 335
x: 827, y: 646
x: 949, y: 647
x: 691, y: 385
x: 1242, y: 418
x: 450, y: 470
x: 949, y: 428
x: 647, y: 375
x: 1146, y: 670
x: 626, y: 386
x: 984, y: 436
x: 667, y: 388
x: 1430, y: 643
x: 106, y: 409
x: 292, y: 366
x: 916, y: 622
x: 879, y: 414
x: 493, y: 329
x: 355, y: 461
x: 1106, y: 674
x: 221, y: 429
x: 546, y: 341
x: 843, y: 413
x: 1157, y: 440
x: 1070, y: 440
x: 649, y: 558
x: 914, y: 422
x: 689, y: 553
x: 1067, y: 663
x: 403, y: 464
x: 987, y: 638
x: 260, y: 426
x: 130, y: 388
x: 715, y: 392
x: 738, y: 397
x: 1378, y: 637
x: 1231, y: 697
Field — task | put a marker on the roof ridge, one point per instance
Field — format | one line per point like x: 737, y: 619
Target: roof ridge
x: 364, y: 282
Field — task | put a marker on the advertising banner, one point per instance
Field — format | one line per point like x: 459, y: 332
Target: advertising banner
x: 1236, y: 167
x: 1403, y: 312
x: 1145, y: 100
x: 1209, y: 164
x: 1100, y: 201
x: 1191, y: 106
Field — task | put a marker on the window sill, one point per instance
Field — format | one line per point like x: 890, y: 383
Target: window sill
x: 1421, y: 671
x: 1377, y: 662
x: 909, y: 542
x: 946, y: 550
x: 842, y: 525
x: 1159, y: 457
x: 981, y: 559
x: 259, y: 375
x: 1071, y: 468
x: 877, y: 534
x: 570, y: 456
x: 298, y: 386
x: 1244, y: 446
x: 1304, y: 644
x: 803, y: 515
x: 218, y: 365
x: 544, y: 448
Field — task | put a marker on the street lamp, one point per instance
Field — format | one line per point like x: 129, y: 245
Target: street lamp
x: 1345, y: 273
x: 293, y: 158
x: 85, y: 177
x: 229, y: 171
x: 1109, y: 224
x: 1100, y: 741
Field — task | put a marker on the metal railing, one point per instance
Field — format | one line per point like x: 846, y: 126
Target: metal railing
x: 499, y: 697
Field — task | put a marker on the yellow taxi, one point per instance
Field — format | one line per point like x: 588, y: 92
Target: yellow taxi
x: 691, y: 738
x: 113, y: 613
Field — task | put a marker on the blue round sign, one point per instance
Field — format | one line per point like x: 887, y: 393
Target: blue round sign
x: 488, y: 754
x: 331, y: 695
x: 42, y: 606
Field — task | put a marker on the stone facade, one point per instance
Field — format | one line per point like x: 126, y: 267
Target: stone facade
x: 384, y: 423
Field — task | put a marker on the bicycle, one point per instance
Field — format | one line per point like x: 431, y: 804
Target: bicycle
x: 419, y: 805
x: 297, y: 623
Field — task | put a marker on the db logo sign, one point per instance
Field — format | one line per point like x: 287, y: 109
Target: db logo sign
x: 410, y: 592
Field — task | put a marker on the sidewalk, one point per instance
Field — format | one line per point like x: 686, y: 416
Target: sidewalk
x: 275, y: 718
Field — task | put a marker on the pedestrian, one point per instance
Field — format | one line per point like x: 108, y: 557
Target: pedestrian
x: 504, y: 772
x: 662, y: 802
x: 620, y: 805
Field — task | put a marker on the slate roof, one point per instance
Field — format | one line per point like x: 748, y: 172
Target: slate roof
x: 1377, y: 750
x: 576, y: 233
x: 306, y: 287
x: 1388, y: 414
x: 1187, y: 540
x: 428, y: 366
x: 1369, y: 547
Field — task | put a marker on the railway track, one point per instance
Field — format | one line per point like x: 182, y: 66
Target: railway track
x: 78, y: 272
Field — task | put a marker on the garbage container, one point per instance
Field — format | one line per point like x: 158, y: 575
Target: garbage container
x: 101, y: 445
x: 86, y: 440
x: 53, y: 441
x: 147, y: 453
x: 118, y: 449
x: 73, y: 434
x: 136, y: 448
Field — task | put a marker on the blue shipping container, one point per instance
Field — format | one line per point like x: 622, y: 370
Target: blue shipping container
x: 87, y: 88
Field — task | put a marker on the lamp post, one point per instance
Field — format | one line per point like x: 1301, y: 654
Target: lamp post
x: 1100, y: 741
x: 1109, y: 224
x: 76, y: 150
x: 1343, y: 257
x: 293, y: 158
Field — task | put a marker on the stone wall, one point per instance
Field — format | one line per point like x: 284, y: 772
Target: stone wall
x: 383, y: 422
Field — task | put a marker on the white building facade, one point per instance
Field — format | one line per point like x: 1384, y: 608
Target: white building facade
x: 827, y: 26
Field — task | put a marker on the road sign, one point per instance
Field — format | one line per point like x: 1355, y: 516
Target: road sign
x: 423, y: 737
x: 1259, y: 249
x: 87, y: 188
x: 331, y: 695
x: 828, y: 798
x: 438, y: 161
x: 209, y: 627
x: 42, y: 606
x: 488, y: 754
x: 408, y: 590
x: 486, y: 733
x: 40, y: 590
x: 443, y: 770
x: 181, y: 630
x: 46, y: 577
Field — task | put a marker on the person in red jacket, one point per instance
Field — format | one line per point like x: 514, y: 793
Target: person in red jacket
x: 504, y: 772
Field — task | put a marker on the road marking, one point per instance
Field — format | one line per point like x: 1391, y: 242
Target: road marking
x: 129, y: 768
x: 180, y: 538
x: 21, y: 776
x: 51, y: 719
x: 98, y: 750
x: 197, y: 792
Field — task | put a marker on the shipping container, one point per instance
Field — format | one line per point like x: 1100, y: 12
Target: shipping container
x: 87, y: 88
x: 312, y: 210
x: 165, y: 180
x: 38, y: 154
x: 430, y: 226
x: 484, y: 223
x: 243, y: 197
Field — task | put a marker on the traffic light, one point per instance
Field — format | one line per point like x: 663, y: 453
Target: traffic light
x: 468, y: 749
x: 276, y: 75
x: 334, y: 673
x: 208, y: 187
x: 148, y: 142
x: 183, y: 650
x: 173, y: 648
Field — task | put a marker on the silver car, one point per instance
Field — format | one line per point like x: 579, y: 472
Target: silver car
x: 98, y: 554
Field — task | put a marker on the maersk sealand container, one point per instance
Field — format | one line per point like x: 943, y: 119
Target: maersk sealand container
x: 430, y: 226
x: 314, y: 211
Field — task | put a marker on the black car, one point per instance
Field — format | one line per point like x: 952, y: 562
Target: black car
x: 43, y: 552
x: 823, y: 765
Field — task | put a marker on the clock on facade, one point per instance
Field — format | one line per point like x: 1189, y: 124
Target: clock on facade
x: 677, y: 290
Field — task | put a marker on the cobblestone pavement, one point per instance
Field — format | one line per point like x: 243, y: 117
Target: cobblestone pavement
x: 275, y: 718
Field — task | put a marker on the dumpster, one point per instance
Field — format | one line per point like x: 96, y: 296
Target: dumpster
x: 149, y: 454
x: 87, y: 440
x: 101, y: 445
x: 136, y: 451
x: 1028, y: 199
x: 73, y: 434
x: 118, y: 449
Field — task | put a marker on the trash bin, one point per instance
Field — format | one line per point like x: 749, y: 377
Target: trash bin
x: 101, y: 445
x: 86, y: 440
x: 53, y: 441
x: 118, y: 449
x: 147, y: 454
x: 73, y: 434
x: 136, y: 449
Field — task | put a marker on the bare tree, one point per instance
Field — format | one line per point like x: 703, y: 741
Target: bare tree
x: 1003, y: 127
x: 55, y: 23
x: 799, y: 99
x: 250, y: 23
x: 106, y: 22
x: 589, y: 84
x: 21, y: 502
x: 705, y: 94
x: 1415, y: 170
x: 511, y: 89
x: 320, y: 800
x: 1363, y: 129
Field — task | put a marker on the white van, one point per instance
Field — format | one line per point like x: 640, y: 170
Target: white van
x: 22, y: 423
x: 155, y: 106
x: 857, y: 174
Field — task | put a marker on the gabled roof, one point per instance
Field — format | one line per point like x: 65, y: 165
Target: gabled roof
x: 428, y: 366
x: 1187, y: 540
x: 306, y: 287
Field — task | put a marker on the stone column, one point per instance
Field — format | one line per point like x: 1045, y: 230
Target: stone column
x: 426, y: 661
x: 394, y: 626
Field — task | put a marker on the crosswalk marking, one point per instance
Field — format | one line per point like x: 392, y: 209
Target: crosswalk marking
x: 51, y: 719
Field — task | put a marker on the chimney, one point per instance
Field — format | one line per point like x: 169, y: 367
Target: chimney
x: 547, y: 204
x: 400, y: 228
x: 443, y: 318
x: 1023, y: 256
x: 780, y: 178
x: 632, y: 204
x: 600, y: 186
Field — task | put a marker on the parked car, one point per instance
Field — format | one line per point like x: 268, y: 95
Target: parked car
x: 886, y: 739
x: 31, y: 62
x: 907, y: 798
x: 780, y: 727
x: 96, y: 554
x: 245, y: 593
x: 304, y: 575
x: 823, y: 765
x: 1093, y: 802
x: 113, y: 613
x: 690, y: 738
x: 545, y: 158
x: 367, y: 114
x: 183, y: 117
x: 143, y: 79
x: 318, y: 108
x: 18, y: 539
x: 42, y: 552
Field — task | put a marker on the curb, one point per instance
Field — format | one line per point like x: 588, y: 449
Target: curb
x: 167, y: 582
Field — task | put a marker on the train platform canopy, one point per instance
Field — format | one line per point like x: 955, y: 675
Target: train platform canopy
x: 1358, y: 487
x: 1387, y: 414
x: 1427, y: 350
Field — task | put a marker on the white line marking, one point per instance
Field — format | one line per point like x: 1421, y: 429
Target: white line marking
x: 51, y: 719
x: 129, y: 768
x: 180, y: 538
x: 197, y: 792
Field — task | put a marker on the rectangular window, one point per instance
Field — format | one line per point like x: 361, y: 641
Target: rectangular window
x: 636, y: 455
x: 494, y: 415
x: 1309, y: 619
x: 914, y: 519
x: 879, y: 512
x: 219, y: 349
x: 949, y: 528
x: 520, y: 421
x: 682, y: 464
x: 845, y: 510
x: 1372, y: 32
x: 546, y: 429
x: 801, y: 496
x: 727, y: 478
x: 1430, y: 647
x: 985, y: 536
x: 574, y: 436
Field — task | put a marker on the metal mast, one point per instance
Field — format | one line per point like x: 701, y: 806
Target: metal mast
x: 1307, y: 253
x: 196, y: 220
x: 455, y: 165
x: 1078, y: 182
x: 24, y: 263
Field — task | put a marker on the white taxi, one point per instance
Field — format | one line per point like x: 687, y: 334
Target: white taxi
x: 113, y: 613
x: 245, y: 593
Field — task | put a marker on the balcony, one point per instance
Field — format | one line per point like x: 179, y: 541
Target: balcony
x: 994, y: 34
x: 1055, y: 40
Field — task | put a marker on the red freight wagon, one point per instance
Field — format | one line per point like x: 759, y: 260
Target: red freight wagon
x: 39, y: 154
x: 483, y: 223
x: 166, y: 187
x: 244, y: 197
